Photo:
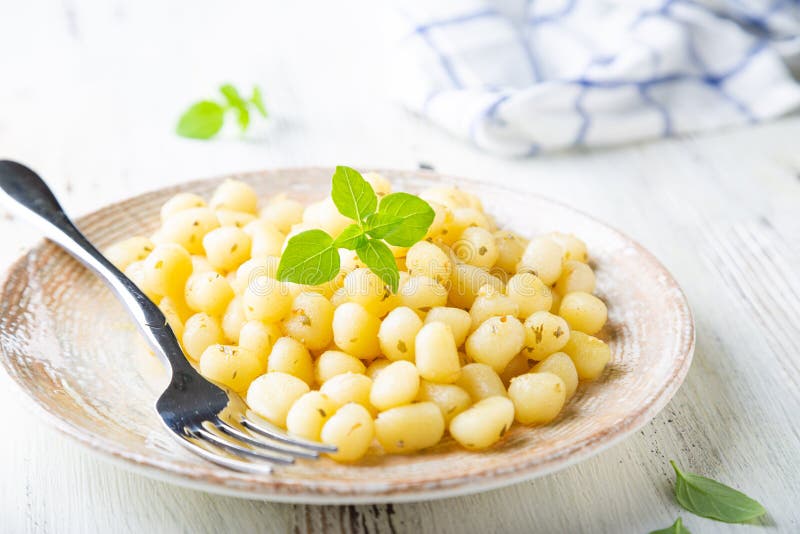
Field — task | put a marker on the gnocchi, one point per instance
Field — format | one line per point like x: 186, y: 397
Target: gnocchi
x: 409, y: 428
x: 486, y: 326
x: 537, y: 397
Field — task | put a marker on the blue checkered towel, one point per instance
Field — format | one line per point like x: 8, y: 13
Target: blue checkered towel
x: 519, y: 77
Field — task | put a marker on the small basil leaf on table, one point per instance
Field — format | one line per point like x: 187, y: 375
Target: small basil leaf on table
x: 310, y: 258
x: 351, y: 238
x: 709, y: 498
x: 201, y: 121
x: 377, y: 256
x: 414, y: 214
x: 676, y: 528
x: 258, y: 101
x: 353, y: 196
x: 379, y: 224
x: 205, y: 119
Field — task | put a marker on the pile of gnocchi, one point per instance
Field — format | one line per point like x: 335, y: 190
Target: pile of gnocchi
x: 486, y: 328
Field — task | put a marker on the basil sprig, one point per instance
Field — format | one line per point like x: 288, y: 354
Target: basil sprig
x: 709, y: 498
x: 399, y: 219
x: 204, y: 119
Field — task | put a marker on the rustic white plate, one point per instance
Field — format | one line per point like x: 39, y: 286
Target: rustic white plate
x: 72, y: 350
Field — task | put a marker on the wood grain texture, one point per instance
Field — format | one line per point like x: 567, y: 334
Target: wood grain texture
x: 90, y: 94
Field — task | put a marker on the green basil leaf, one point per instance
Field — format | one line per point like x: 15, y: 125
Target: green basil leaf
x: 415, y: 217
x: 310, y: 258
x: 243, y: 118
x: 201, y: 121
x: 379, y: 224
x: 238, y: 103
x: 353, y: 195
x: 377, y: 256
x: 232, y: 96
x: 351, y: 238
x: 676, y: 528
x: 708, y: 498
x: 258, y: 101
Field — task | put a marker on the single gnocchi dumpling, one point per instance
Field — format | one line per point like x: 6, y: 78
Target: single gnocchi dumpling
x: 181, y: 202
x: 561, y: 365
x: 510, y: 247
x: 395, y: 385
x: 542, y: 257
x: 355, y: 331
x: 426, y: 259
x: 200, y: 332
x: 227, y: 248
x: 545, y: 333
x: 437, y: 353
x: 259, y: 338
x: 409, y: 428
x: 457, y: 319
x: 537, y: 397
x: 351, y: 429
x: 234, y: 195
x: 230, y: 366
x: 166, y: 269
x: 529, y: 293
x: 283, y: 213
x: 187, y: 228
x: 583, y: 312
x: 291, y: 357
x: 398, y: 333
x: 272, y: 395
x: 589, y: 354
x: 477, y: 246
x: 310, y: 320
x: 208, y: 292
x: 128, y: 251
x: 496, y: 341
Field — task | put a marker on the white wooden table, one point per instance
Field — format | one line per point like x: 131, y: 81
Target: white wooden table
x: 89, y: 96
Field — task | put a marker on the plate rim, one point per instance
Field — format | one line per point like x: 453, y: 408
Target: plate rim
x: 473, y: 483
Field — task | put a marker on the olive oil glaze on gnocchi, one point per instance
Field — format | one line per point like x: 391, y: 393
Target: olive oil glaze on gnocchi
x: 464, y: 328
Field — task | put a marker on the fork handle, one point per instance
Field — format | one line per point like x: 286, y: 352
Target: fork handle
x: 29, y: 196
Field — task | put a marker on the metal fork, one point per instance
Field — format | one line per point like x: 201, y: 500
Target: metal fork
x: 210, y: 421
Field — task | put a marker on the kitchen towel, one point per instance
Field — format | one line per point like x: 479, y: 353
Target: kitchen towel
x: 518, y: 77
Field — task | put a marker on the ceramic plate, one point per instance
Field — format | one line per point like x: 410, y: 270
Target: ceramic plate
x: 72, y: 350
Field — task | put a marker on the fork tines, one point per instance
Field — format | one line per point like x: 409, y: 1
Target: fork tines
x: 250, y: 444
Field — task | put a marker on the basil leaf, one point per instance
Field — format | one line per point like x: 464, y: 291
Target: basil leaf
x: 243, y: 118
x: 258, y: 101
x: 353, y: 195
x: 709, y: 498
x: 415, y: 216
x: 351, y: 238
x: 236, y: 102
x: 676, y: 528
x: 377, y: 256
x: 201, y: 121
x: 232, y: 96
x: 310, y: 258
x: 380, y: 224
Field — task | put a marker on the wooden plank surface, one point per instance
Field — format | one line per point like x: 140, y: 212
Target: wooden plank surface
x: 89, y: 97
